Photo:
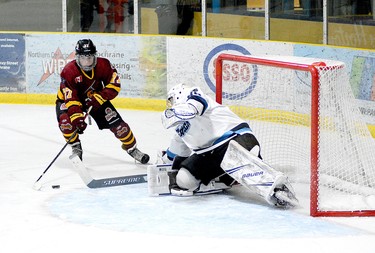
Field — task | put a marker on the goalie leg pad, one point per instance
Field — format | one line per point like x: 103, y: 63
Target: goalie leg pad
x: 254, y: 174
x: 282, y: 194
x: 186, y: 180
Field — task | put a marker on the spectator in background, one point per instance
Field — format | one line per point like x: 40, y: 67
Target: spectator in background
x: 73, y: 15
x: 115, y: 15
x: 87, y: 13
x: 364, y: 7
x: 177, y: 17
x: 282, y: 6
x: 185, y: 11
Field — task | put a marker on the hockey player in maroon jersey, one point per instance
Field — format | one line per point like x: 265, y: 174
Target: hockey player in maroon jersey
x: 91, y: 81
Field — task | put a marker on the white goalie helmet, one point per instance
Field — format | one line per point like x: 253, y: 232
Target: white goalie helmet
x: 178, y: 95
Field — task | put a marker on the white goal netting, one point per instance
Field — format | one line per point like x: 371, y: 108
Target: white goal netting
x: 280, y: 104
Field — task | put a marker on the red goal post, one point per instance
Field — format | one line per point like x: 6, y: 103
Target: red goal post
x: 307, y: 105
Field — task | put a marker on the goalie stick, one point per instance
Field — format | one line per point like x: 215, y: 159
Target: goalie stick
x: 104, y: 182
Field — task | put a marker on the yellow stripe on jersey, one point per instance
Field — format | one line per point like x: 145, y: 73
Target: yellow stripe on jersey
x: 99, y: 98
x: 92, y: 74
x: 60, y: 95
x: 75, y: 116
x: 112, y: 86
x: 71, y: 103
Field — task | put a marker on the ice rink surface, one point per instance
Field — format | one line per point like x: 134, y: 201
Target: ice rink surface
x: 75, y: 218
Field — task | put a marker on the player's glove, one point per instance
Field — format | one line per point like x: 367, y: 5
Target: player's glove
x: 78, y: 122
x: 95, y: 100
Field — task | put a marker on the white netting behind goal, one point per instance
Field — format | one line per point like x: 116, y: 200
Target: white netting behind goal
x: 277, y: 102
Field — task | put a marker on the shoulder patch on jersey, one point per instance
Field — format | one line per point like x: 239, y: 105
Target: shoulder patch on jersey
x: 78, y: 79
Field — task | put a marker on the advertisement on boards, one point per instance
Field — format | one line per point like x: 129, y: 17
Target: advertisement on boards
x: 196, y: 65
x: 140, y: 61
x: 12, y: 63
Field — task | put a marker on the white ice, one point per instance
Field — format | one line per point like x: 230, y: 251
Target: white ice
x: 124, y: 218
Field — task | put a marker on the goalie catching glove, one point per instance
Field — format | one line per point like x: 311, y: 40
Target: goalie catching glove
x: 178, y: 114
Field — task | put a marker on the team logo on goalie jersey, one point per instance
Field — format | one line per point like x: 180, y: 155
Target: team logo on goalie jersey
x: 183, y: 128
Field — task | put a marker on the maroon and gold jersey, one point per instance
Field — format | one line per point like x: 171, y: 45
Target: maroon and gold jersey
x: 77, y: 85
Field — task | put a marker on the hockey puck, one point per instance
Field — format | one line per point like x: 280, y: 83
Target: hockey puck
x: 56, y: 186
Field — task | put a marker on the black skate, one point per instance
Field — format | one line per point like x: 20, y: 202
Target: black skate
x: 138, y: 155
x: 76, y: 150
x: 285, y: 197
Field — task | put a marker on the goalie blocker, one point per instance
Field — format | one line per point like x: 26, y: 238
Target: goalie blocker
x: 246, y: 168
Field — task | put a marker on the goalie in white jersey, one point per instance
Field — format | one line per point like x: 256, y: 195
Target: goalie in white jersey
x: 211, y: 149
x: 203, y: 130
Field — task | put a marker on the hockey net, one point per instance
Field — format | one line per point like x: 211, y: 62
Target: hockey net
x: 304, y: 114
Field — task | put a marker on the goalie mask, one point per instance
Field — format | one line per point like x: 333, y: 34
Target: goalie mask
x: 85, y: 54
x: 177, y: 95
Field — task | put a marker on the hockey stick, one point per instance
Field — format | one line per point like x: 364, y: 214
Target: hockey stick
x: 37, y: 185
x: 105, y: 182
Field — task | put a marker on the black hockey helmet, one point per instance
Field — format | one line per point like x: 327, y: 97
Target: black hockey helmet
x: 85, y: 47
x: 86, y: 54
